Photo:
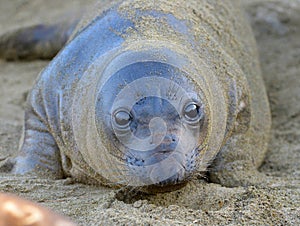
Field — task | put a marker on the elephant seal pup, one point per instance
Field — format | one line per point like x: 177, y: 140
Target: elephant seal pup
x: 15, y: 211
x: 150, y: 94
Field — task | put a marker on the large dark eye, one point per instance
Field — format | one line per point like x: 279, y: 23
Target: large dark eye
x: 122, y: 118
x: 192, y: 112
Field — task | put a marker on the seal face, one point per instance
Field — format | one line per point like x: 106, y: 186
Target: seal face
x: 155, y: 118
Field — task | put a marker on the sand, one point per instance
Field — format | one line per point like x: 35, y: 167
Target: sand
x: 276, y: 24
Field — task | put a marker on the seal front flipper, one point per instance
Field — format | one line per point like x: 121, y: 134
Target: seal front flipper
x: 36, y: 42
x: 39, y: 153
x: 233, y: 166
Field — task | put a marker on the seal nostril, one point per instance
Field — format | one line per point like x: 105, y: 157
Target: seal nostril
x: 170, y: 139
x: 165, y: 151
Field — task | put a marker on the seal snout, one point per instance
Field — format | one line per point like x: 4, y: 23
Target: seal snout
x: 165, y: 149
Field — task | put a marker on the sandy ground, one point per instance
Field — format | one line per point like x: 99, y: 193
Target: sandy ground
x: 277, y: 27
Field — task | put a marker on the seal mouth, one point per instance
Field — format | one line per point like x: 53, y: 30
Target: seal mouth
x: 161, y: 167
x: 148, y: 158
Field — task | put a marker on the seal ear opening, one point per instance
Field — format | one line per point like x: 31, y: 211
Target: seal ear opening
x: 243, y: 112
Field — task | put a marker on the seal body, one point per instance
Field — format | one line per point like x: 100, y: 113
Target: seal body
x: 150, y: 93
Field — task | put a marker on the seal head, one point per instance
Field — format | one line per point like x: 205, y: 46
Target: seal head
x: 156, y: 121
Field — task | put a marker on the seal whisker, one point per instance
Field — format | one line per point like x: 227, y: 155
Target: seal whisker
x: 132, y: 155
x: 172, y: 90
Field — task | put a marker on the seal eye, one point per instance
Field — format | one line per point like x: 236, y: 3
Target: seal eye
x: 192, y: 112
x: 122, y: 118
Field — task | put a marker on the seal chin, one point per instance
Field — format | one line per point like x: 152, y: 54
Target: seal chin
x: 157, y: 176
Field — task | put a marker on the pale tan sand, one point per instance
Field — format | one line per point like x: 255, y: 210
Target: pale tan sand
x: 277, y: 27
